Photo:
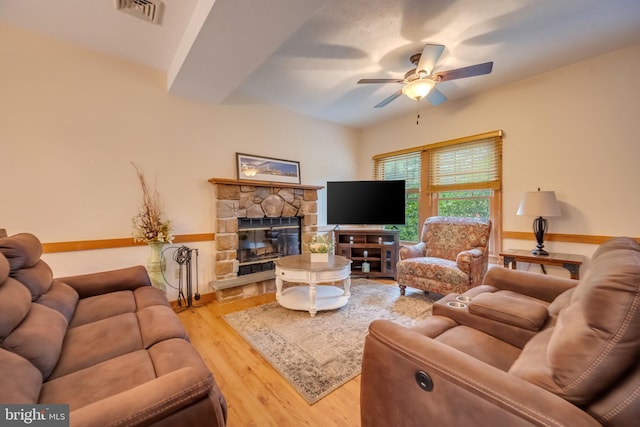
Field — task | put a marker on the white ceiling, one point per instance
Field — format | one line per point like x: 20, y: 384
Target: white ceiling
x: 307, y: 55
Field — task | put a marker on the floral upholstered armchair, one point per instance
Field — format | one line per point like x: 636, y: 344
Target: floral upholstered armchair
x: 451, y: 257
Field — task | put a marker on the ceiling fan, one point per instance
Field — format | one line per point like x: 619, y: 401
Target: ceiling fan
x: 420, y: 82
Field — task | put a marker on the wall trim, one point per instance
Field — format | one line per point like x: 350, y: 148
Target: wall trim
x: 558, y: 237
x: 87, y: 245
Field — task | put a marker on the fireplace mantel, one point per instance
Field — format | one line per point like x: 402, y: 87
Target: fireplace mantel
x: 228, y: 181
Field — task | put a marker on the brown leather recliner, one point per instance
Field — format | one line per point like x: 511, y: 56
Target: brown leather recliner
x: 524, y: 349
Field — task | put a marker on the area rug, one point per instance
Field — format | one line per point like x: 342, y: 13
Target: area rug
x: 318, y: 354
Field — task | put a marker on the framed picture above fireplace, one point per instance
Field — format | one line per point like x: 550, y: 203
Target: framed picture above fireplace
x: 258, y: 168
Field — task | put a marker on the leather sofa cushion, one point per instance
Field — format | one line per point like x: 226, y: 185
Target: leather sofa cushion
x: 510, y: 308
x: 113, y: 303
x: 468, y: 340
x: 91, y: 344
x: 181, y: 378
x: 15, y: 302
x: 135, y: 317
x: 123, y: 372
x: 37, y: 278
x: 21, y: 381
x: 22, y: 250
x: 597, y: 335
x: 159, y: 323
x: 62, y: 298
x: 481, y: 346
x: 4, y: 268
x: 38, y: 338
x: 560, y: 302
x: 101, y: 307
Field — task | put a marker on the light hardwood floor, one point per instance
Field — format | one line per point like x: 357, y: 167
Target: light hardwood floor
x: 256, y: 393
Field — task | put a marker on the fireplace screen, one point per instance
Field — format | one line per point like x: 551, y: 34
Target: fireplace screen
x: 262, y: 240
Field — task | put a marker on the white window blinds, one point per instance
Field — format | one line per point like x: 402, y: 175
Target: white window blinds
x: 400, y: 166
x: 466, y: 165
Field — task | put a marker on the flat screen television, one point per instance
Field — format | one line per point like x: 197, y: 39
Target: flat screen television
x: 366, y: 202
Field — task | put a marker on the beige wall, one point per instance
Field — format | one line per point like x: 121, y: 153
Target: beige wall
x: 71, y: 121
x: 573, y: 130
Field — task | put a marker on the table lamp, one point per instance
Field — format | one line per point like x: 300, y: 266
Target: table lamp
x: 539, y: 204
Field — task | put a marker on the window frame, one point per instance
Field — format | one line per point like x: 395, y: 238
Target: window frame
x: 413, y: 180
x: 428, y: 199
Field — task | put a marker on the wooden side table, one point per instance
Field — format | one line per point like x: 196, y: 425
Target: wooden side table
x: 569, y: 261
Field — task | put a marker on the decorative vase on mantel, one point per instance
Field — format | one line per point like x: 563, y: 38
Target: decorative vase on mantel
x: 156, y: 264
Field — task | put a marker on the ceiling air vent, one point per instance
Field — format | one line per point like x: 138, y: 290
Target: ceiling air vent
x: 148, y: 10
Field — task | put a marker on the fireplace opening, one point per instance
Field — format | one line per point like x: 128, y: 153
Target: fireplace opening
x: 263, y: 240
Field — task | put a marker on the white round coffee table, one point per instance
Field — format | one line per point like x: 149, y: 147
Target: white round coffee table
x: 312, y: 298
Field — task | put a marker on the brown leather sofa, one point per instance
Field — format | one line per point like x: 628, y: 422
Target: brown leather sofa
x: 521, y: 349
x: 107, y: 344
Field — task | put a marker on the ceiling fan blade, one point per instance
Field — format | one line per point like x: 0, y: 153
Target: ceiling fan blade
x: 430, y: 55
x: 388, y: 99
x: 460, y: 73
x: 380, y: 81
x: 435, y: 97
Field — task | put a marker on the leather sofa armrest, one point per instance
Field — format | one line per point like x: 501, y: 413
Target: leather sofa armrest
x: 413, y: 251
x: 520, y: 312
x: 149, y: 402
x: 92, y: 284
x: 461, y: 314
x: 465, y: 390
x: 535, y: 285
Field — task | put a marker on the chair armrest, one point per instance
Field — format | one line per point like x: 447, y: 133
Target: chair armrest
x: 469, y: 259
x: 465, y: 390
x: 413, y: 251
x: 535, y: 285
x: 92, y: 284
x: 148, y: 402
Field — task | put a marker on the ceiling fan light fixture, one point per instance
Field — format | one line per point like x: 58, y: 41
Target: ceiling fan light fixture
x: 418, y: 88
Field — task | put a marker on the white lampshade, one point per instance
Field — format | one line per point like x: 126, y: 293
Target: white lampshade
x: 539, y: 203
x: 418, y: 88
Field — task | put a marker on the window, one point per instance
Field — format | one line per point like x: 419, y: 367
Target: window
x: 464, y: 178
x: 461, y: 177
x: 405, y: 166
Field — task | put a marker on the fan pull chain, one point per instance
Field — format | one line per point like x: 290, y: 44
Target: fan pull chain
x: 418, y: 113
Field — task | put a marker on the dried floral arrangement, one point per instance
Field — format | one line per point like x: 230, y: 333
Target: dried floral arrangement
x: 320, y: 244
x: 148, y: 225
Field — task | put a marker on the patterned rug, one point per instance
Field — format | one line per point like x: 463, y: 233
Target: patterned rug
x: 318, y: 354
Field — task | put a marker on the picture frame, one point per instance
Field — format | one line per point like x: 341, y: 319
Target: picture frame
x: 268, y: 169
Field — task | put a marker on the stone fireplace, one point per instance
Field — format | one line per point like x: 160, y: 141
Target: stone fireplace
x: 240, y: 201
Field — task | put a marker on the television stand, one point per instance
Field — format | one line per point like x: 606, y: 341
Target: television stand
x: 381, y: 247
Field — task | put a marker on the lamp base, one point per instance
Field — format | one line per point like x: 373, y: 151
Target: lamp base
x: 539, y: 252
x: 539, y: 228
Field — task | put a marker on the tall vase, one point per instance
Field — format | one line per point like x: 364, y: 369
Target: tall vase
x: 156, y: 265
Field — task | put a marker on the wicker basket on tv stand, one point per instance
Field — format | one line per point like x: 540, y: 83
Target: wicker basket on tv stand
x: 381, y: 246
